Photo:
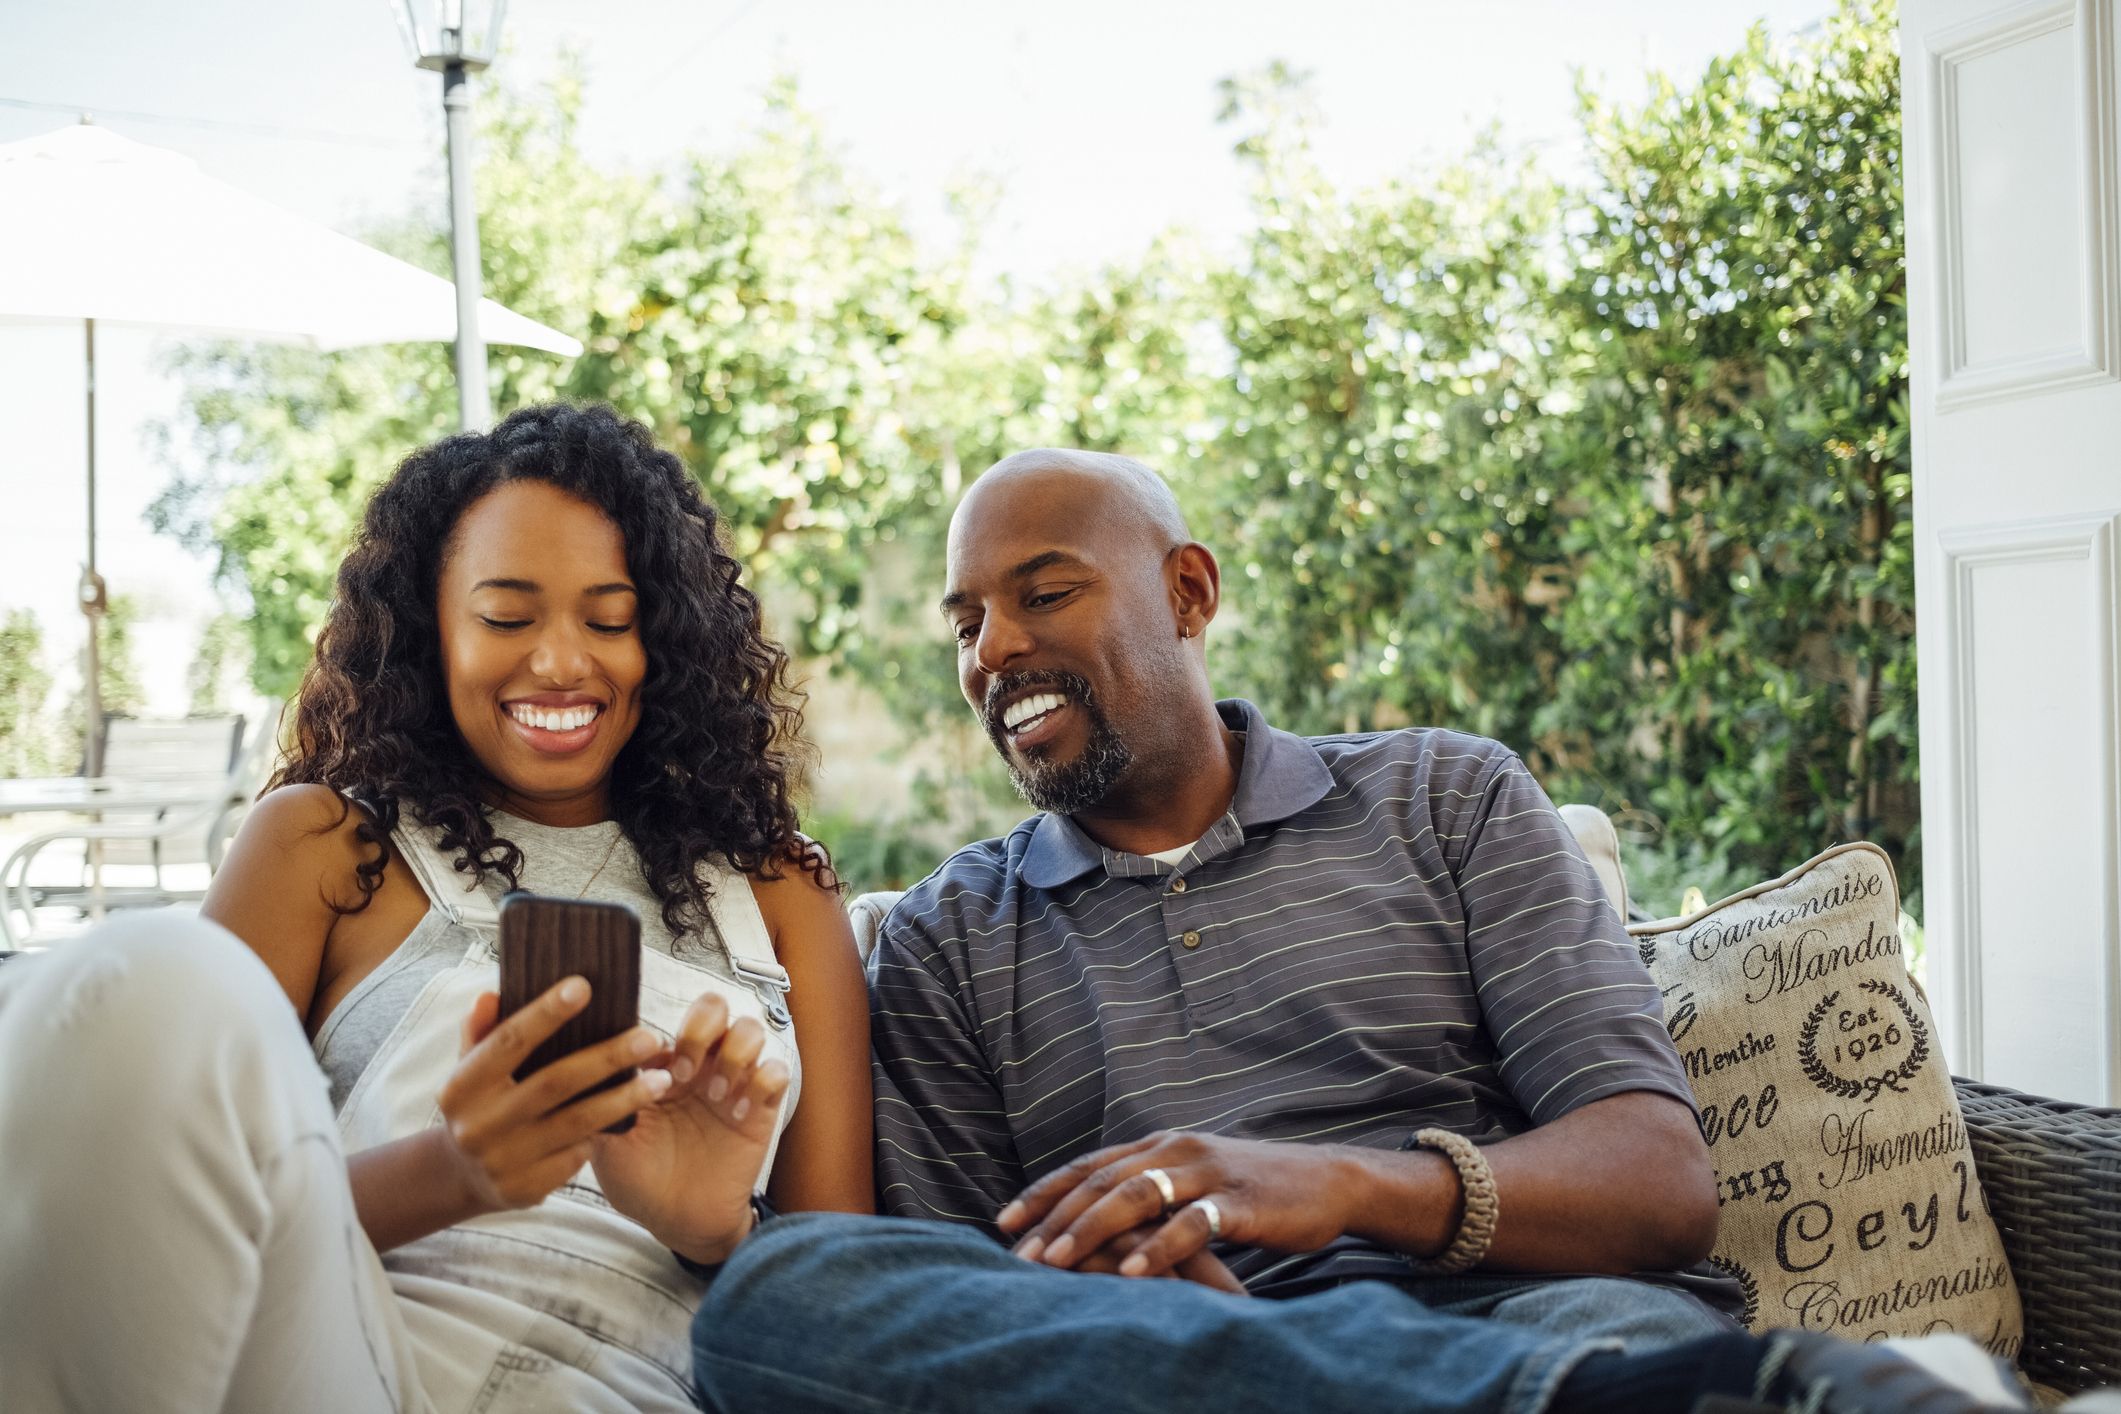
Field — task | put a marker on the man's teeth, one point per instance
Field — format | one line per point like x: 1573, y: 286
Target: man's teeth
x: 563, y: 719
x: 1023, y: 711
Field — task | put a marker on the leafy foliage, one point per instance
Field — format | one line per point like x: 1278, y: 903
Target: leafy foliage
x: 1744, y: 613
x: 28, y: 744
x: 1614, y: 470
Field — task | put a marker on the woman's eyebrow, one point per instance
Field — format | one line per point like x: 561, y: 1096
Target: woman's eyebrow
x: 531, y: 586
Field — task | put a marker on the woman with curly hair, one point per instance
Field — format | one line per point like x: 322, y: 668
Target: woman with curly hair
x: 540, y: 671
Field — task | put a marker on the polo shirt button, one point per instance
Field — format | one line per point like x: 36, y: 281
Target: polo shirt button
x: 1178, y: 885
x: 1191, y: 939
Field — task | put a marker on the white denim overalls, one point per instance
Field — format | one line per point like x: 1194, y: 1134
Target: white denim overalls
x: 566, y: 1305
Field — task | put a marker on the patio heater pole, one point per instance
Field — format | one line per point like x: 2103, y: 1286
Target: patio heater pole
x: 458, y: 38
x: 474, y: 411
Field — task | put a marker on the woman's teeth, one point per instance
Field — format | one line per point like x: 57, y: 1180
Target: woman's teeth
x: 1038, y: 705
x: 548, y: 719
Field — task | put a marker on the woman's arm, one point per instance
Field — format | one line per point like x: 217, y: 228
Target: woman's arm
x: 826, y: 1159
x: 288, y: 876
x: 285, y: 890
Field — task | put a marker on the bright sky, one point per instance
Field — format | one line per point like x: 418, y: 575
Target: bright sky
x: 1098, y: 117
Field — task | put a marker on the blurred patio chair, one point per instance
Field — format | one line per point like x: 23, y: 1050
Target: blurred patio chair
x: 164, y: 750
x: 201, y: 828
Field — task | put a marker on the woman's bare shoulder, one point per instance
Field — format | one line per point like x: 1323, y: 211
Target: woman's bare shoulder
x: 802, y: 905
x: 308, y: 818
x: 307, y: 831
x: 292, y: 874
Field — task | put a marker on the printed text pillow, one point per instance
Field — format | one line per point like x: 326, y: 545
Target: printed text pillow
x: 1849, y: 1199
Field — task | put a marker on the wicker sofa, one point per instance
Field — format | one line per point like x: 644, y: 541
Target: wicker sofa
x: 2052, y: 1172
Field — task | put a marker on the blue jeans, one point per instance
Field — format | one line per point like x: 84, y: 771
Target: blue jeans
x: 850, y: 1315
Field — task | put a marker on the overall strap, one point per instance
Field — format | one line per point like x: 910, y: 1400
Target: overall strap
x: 735, y: 911
x: 459, y: 896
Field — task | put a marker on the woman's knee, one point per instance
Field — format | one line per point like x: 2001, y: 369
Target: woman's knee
x: 141, y: 995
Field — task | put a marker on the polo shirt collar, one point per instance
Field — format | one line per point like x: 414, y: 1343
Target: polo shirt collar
x: 1281, y: 775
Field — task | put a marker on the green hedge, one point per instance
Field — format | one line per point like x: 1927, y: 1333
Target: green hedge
x: 1612, y: 468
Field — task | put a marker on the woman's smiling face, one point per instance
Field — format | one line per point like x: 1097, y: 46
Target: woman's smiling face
x: 541, y: 648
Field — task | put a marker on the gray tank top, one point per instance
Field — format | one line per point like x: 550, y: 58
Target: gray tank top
x: 557, y: 862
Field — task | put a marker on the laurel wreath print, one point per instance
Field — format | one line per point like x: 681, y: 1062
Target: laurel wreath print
x: 1746, y: 1285
x: 1895, y: 1079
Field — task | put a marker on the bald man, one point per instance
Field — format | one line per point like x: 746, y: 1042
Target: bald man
x: 1345, y: 1021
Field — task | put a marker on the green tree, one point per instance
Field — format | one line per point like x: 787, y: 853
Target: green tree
x: 275, y: 450
x: 1743, y: 626
x: 28, y: 745
x: 118, y: 664
x: 1615, y: 471
x: 224, y: 654
x: 1383, y: 505
x: 1618, y: 473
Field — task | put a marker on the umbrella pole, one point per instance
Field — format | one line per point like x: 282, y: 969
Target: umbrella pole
x: 92, y: 597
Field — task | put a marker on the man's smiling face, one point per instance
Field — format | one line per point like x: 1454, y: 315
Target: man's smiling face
x: 1058, y: 604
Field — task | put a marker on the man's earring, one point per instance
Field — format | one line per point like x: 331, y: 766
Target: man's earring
x: 1185, y: 630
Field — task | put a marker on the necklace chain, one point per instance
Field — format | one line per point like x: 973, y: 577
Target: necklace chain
x: 609, y: 851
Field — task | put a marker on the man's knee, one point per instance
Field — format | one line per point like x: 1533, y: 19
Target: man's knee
x: 1641, y: 1314
x: 820, y: 1260
x: 807, y: 1298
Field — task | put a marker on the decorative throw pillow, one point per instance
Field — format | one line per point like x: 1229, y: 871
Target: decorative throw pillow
x: 1849, y: 1199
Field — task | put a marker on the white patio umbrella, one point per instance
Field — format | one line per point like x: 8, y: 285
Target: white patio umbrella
x: 100, y: 229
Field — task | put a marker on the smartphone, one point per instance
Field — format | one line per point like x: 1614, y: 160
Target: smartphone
x: 546, y: 940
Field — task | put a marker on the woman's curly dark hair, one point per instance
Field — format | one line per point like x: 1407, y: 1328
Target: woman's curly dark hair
x: 707, y: 770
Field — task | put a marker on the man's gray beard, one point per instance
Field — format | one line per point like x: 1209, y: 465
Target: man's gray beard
x: 1067, y: 787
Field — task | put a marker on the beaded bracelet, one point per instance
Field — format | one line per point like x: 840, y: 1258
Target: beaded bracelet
x: 1476, y: 1229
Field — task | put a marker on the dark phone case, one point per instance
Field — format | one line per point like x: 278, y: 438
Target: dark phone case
x: 546, y: 939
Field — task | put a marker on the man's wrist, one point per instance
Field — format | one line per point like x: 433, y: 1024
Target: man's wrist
x: 1407, y: 1200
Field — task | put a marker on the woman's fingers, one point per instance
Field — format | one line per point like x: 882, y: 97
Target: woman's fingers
x: 705, y: 1023
x: 529, y: 1145
x: 547, y: 1090
x: 733, y: 1059
x: 751, y: 1109
x: 494, y: 1058
x: 592, y: 1114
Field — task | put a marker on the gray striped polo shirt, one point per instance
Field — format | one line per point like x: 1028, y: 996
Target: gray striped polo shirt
x: 1386, y: 931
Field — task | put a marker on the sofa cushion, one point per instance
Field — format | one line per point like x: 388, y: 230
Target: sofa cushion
x: 866, y: 913
x: 1849, y: 1198
x: 1600, y: 842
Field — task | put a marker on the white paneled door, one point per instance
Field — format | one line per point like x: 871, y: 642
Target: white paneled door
x: 2013, y: 171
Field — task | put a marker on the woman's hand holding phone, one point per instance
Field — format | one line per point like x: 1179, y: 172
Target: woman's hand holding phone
x: 511, y: 1142
x: 686, y: 1169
